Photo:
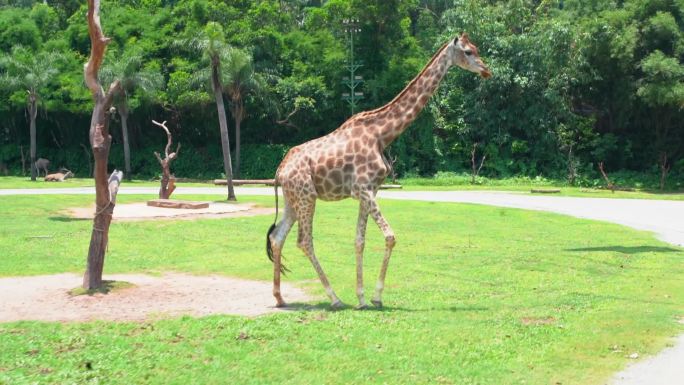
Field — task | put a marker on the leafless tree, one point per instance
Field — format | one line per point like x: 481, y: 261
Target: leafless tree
x: 609, y: 184
x: 168, y: 181
x: 473, y: 162
x: 106, y: 187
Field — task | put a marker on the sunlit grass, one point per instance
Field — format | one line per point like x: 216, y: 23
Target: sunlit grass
x: 475, y: 295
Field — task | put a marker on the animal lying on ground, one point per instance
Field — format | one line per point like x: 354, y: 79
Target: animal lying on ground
x: 59, y: 177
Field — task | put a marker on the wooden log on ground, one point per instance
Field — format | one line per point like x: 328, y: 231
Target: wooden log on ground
x: 177, y: 204
x: 239, y: 182
x: 545, y: 191
x: 270, y: 182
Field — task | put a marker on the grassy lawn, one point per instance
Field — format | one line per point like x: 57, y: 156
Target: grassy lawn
x: 475, y: 295
x: 524, y: 185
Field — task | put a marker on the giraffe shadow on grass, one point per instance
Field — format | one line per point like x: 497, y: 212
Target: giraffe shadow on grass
x: 325, y: 306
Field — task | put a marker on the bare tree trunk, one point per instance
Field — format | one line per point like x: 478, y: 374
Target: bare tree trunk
x: 664, y: 169
x: 90, y: 162
x: 168, y: 181
x: 100, y: 142
x: 223, y: 124
x: 238, y: 120
x: 23, y: 161
x: 123, y: 113
x: 476, y: 169
x: 33, y: 112
x: 572, y: 171
x: 238, y: 114
x: 610, y: 185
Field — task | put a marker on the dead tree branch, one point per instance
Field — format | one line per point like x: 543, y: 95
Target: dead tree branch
x: 476, y: 169
x: 168, y: 181
x: 610, y: 185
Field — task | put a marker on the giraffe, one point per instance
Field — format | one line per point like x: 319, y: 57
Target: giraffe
x: 349, y: 162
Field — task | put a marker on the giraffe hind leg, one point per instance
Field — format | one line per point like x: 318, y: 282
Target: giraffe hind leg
x: 390, y: 241
x: 305, y: 213
x: 276, y: 240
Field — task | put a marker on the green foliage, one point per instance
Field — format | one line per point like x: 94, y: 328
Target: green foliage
x: 575, y: 84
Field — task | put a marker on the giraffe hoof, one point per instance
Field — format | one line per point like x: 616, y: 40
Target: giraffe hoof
x: 337, y: 305
x: 281, y: 305
x: 376, y: 303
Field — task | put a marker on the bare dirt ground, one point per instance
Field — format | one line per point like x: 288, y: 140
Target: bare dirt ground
x: 47, y: 298
x: 141, y: 212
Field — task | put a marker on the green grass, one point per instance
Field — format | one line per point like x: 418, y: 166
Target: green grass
x: 456, y: 182
x: 475, y: 295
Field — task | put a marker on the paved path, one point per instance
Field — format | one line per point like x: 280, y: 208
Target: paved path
x: 664, y: 218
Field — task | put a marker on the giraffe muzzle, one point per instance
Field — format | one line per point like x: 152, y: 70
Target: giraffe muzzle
x: 486, y: 73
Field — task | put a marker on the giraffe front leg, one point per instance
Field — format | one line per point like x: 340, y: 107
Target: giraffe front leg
x: 360, y: 243
x: 390, y: 241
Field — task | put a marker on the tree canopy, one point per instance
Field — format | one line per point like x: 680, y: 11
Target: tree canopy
x: 575, y: 82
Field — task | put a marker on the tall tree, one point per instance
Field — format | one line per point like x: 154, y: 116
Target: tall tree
x: 128, y: 70
x: 100, y: 142
x: 239, y: 80
x: 26, y: 71
x: 211, y: 43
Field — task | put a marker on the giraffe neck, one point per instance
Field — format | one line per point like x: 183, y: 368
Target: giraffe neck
x: 405, y: 107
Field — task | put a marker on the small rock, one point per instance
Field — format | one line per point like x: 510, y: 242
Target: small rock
x: 634, y: 356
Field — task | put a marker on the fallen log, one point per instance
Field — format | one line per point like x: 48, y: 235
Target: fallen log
x: 177, y: 204
x: 545, y: 191
x: 270, y: 182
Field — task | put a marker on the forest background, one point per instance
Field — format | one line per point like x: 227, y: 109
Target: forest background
x: 576, y: 83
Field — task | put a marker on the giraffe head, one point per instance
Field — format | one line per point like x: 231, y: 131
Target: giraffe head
x: 464, y: 54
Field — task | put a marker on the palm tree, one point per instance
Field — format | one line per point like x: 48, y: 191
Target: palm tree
x: 129, y: 71
x: 239, y: 80
x: 24, y: 70
x: 211, y: 43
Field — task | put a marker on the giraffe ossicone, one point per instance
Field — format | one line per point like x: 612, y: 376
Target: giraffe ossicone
x: 349, y: 162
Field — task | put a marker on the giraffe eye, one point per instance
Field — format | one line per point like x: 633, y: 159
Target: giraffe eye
x: 468, y: 52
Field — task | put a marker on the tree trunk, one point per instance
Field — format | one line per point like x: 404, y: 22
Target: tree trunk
x: 123, y: 113
x: 238, y: 120
x: 33, y: 112
x: 664, y: 169
x: 168, y: 181
x: 223, y: 124
x: 100, y: 142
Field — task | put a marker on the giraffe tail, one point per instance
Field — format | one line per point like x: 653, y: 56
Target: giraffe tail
x: 269, y: 247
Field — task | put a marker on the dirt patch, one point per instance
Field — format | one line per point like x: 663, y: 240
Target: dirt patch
x: 141, y: 212
x: 47, y: 298
x: 537, y: 321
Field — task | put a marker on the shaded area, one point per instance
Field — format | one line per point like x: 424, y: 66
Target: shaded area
x: 629, y: 249
x: 106, y: 287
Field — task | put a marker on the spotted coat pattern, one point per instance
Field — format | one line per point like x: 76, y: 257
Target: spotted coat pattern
x: 349, y: 162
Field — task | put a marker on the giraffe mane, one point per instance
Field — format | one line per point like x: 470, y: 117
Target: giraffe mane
x: 415, y: 79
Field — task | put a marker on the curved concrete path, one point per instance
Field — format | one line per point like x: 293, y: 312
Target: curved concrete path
x: 664, y: 218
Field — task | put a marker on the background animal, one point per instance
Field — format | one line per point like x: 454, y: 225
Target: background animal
x: 42, y: 164
x: 60, y: 176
